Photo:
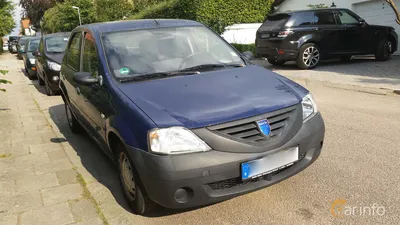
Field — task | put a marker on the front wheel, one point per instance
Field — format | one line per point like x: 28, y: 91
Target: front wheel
x: 73, y: 123
x: 276, y: 62
x: 134, y: 192
x: 49, y: 91
x: 309, y: 56
x: 385, y: 48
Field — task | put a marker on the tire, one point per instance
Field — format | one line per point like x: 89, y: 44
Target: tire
x: 134, y: 191
x: 309, y: 56
x: 276, y: 62
x: 49, y: 91
x: 384, y: 50
x: 73, y: 123
x: 41, y: 81
x: 345, y: 58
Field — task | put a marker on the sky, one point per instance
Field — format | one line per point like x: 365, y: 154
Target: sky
x: 17, y: 17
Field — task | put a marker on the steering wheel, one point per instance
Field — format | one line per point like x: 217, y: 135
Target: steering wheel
x: 187, y: 59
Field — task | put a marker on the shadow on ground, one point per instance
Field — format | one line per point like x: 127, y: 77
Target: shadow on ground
x: 96, y: 162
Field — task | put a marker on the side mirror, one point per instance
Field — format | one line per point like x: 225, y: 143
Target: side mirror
x: 85, y: 78
x: 361, y: 22
x: 248, y: 55
x: 36, y: 53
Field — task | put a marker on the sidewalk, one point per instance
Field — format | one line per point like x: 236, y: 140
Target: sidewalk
x: 38, y: 182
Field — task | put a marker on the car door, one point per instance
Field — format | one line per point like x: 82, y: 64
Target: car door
x: 355, y: 36
x: 71, y: 64
x: 95, y: 98
x: 328, y: 31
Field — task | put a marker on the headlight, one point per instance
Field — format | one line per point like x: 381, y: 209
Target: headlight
x: 309, y: 107
x: 175, y: 140
x: 32, y: 61
x: 54, y: 66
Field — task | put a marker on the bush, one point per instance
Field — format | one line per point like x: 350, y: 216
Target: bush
x: 1, y: 45
x: 217, y: 14
x: 245, y: 47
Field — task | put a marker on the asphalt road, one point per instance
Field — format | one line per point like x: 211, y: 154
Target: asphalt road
x: 359, y: 164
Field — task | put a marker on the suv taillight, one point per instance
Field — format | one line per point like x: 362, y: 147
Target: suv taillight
x: 283, y: 34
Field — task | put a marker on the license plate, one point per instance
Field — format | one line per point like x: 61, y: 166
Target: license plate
x: 265, y: 35
x: 269, y: 164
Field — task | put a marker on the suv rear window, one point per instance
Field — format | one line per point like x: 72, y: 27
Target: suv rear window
x: 276, y: 20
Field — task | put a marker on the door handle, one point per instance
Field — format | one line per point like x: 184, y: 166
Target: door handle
x: 78, y: 90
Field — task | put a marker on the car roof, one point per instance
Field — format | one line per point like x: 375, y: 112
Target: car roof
x: 138, y: 24
x: 60, y: 34
x: 309, y: 10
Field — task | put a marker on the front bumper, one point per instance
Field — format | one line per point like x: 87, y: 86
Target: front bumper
x: 54, y: 84
x: 215, y: 176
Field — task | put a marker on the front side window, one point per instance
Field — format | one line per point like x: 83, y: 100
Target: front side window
x: 90, y: 61
x: 56, y: 44
x: 134, y: 53
x: 346, y: 18
x: 33, y: 45
x: 73, y: 56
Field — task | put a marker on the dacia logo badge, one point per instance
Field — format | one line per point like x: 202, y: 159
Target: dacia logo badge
x: 264, y: 127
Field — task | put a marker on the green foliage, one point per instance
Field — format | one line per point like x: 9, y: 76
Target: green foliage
x: 317, y: 6
x: 7, y: 23
x: 64, y: 18
x: 110, y: 10
x: 245, y: 47
x: 216, y: 14
x: 1, y: 44
x: 3, y: 81
x: 34, y: 9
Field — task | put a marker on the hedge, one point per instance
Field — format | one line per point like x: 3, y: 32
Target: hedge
x: 1, y: 45
x: 245, y: 47
x: 216, y: 14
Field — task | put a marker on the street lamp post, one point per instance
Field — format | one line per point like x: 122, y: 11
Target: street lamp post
x: 79, y: 14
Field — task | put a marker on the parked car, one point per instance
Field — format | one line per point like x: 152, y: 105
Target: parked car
x: 31, y: 46
x: 5, y: 47
x: 12, y: 41
x: 48, y: 60
x: 21, y: 46
x: 188, y: 120
x: 311, y: 35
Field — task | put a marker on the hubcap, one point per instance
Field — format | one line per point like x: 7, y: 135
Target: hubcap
x: 388, y: 48
x: 128, y: 180
x: 69, y: 114
x: 311, y: 56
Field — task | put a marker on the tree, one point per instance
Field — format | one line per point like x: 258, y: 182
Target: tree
x: 110, y: 10
x: 317, y: 6
x: 7, y: 23
x: 35, y: 9
x: 396, y: 11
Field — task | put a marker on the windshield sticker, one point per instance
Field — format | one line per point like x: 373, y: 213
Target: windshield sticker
x: 124, y: 71
x: 65, y: 39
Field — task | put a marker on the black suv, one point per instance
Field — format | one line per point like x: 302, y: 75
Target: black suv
x: 48, y: 60
x: 311, y: 35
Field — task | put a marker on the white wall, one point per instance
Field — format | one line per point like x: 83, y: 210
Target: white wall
x: 241, y: 33
x: 299, y: 4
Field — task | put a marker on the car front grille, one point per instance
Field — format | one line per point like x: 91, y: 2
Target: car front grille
x: 248, y: 130
x: 237, y: 181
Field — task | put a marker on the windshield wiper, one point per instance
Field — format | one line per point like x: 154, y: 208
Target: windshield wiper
x: 149, y: 76
x: 212, y: 66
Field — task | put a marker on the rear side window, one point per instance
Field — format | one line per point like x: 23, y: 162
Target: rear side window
x: 312, y: 18
x: 276, y: 21
x: 73, y: 57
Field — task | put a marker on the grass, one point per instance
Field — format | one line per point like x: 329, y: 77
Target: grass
x: 5, y: 155
x: 87, y: 195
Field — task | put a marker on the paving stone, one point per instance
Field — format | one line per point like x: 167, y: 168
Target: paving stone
x: 16, y: 172
x: 92, y: 221
x: 83, y: 209
x: 49, y: 215
x: 20, y: 202
x: 31, y: 159
x: 48, y: 147
x: 10, y: 219
x: 66, y: 177
x: 16, y: 151
x: 7, y: 187
x: 57, y: 155
x: 25, y: 141
x: 36, y: 182
x: 61, y: 194
x: 6, y: 162
x: 53, y: 166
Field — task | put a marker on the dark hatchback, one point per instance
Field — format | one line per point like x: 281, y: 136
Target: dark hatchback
x: 187, y: 119
x: 309, y: 36
x: 48, y: 60
x: 21, y: 46
x: 32, y: 45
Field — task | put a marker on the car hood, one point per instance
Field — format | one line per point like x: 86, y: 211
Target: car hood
x: 211, y: 98
x: 56, y: 57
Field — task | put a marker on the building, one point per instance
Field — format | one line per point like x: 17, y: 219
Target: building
x: 377, y: 12
x: 26, y: 27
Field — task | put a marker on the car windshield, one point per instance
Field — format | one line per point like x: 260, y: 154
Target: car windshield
x: 56, y: 44
x: 33, y: 45
x: 161, y: 50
